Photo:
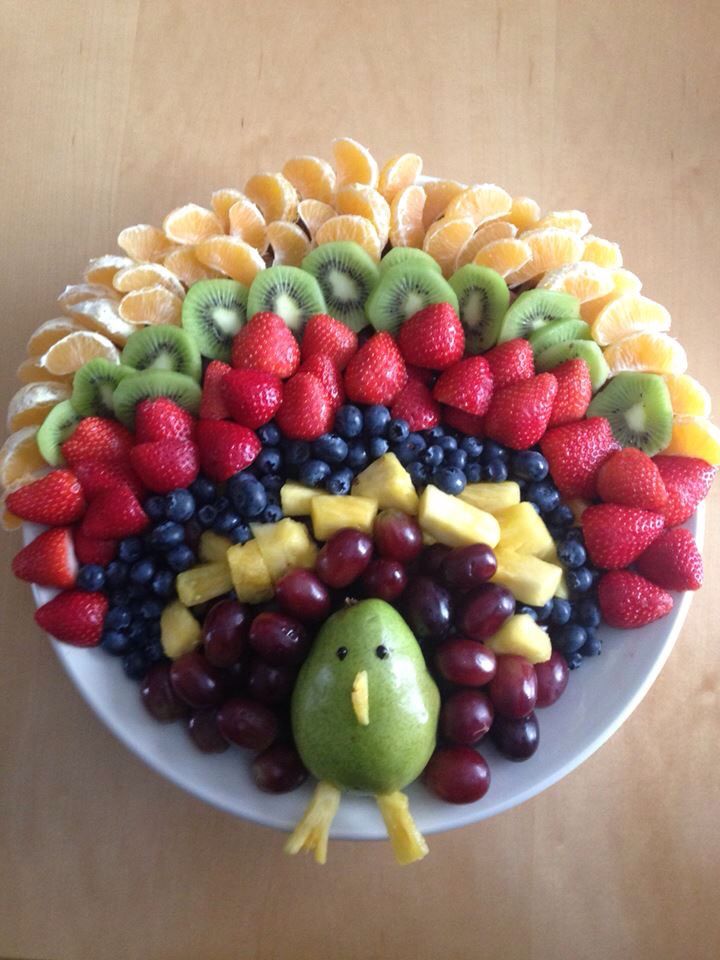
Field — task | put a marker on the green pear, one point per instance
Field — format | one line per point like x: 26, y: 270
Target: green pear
x: 365, y: 708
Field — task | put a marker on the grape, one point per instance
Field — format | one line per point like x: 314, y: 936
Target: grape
x: 432, y: 559
x: 204, y: 732
x: 344, y: 558
x: 516, y: 739
x: 385, y: 579
x: 268, y: 684
x: 427, y: 609
x: 465, y: 662
x: 278, y: 769
x: 513, y: 689
x: 468, y: 567
x: 196, y: 681
x: 278, y: 639
x: 552, y: 678
x: 397, y: 535
x: 247, y: 723
x: 457, y: 775
x: 466, y: 716
x: 302, y: 594
x: 158, y: 696
x: 484, y: 610
x: 225, y: 632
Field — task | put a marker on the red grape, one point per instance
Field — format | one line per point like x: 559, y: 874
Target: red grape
x: 457, y: 775
x: 468, y: 567
x: 344, y: 557
x: 426, y: 607
x: 247, y: 723
x: 397, y: 535
x: 513, y: 689
x: 158, y: 696
x: 432, y: 558
x: 484, y: 610
x: 552, y: 678
x: 268, y: 684
x: 278, y: 769
x: 302, y: 594
x: 385, y: 579
x: 278, y: 639
x: 466, y: 716
x: 204, y: 732
x: 516, y: 739
x: 465, y: 662
x: 225, y: 632
x: 196, y: 681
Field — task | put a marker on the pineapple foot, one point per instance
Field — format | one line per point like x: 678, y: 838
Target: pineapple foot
x: 312, y: 831
x: 407, y: 842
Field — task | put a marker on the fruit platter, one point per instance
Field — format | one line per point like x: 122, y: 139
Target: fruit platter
x: 339, y: 490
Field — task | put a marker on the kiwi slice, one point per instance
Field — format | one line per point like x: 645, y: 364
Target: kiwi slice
x: 483, y: 298
x: 587, y: 350
x: 639, y: 410
x: 347, y: 275
x: 533, y: 309
x: 558, y: 331
x: 132, y: 389
x: 408, y: 255
x: 57, y: 426
x: 163, y: 348
x: 402, y: 291
x: 94, y: 385
x: 288, y: 291
x: 213, y: 311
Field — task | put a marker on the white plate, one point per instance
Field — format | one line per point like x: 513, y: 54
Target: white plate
x: 601, y: 695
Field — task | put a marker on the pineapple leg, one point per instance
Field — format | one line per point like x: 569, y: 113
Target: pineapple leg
x: 312, y: 831
x: 407, y: 842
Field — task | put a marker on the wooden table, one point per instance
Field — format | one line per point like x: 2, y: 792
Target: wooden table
x: 115, y: 112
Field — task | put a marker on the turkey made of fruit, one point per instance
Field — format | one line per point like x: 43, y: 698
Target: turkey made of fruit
x: 349, y: 468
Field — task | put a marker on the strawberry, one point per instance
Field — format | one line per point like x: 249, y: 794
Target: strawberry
x: 88, y: 550
x: 225, y: 448
x: 95, y: 476
x: 687, y: 481
x: 376, y: 374
x: 519, y: 414
x: 467, y: 385
x: 320, y: 365
x: 464, y: 422
x: 252, y: 397
x: 48, y: 560
x: 113, y: 514
x: 628, y: 600
x: 575, y: 452
x: 629, y: 477
x: 433, y: 337
x: 75, y: 617
x: 212, y: 405
x: 326, y: 335
x: 307, y: 411
x: 415, y: 404
x: 574, y: 392
x: 54, y: 499
x: 162, y: 419
x: 421, y: 375
x: 615, y: 536
x: 96, y: 438
x: 673, y: 561
x: 165, y: 465
x: 511, y: 362
x: 266, y: 343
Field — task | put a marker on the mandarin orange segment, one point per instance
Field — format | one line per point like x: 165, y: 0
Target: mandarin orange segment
x: 143, y: 242
x: 19, y: 457
x: 191, y: 223
x: 102, y: 316
x: 101, y: 270
x: 365, y: 202
x: 314, y: 213
x: 221, y: 201
x: 603, y: 252
x: 628, y: 314
x: 147, y: 275
x: 586, y: 281
x: 480, y: 202
x: 69, y: 354
x: 487, y: 233
x: 695, y: 437
x: 504, y: 256
x: 186, y: 266
x: 687, y: 395
x: 275, y: 196
x: 75, y: 292
x: 29, y: 406
x: 8, y: 521
x: 524, y: 213
x: 349, y: 226
x: 289, y: 242
x: 624, y: 281
x: 49, y: 333
x: 438, y: 195
x: 312, y: 177
x: 247, y: 222
x: 552, y: 247
x: 353, y: 163
x: 399, y: 172
x: 30, y: 371
x: 231, y: 257
x: 574, y: 220
x: 445, y: 238
x: 648, y: 352
x: 407, y: 227
x: 154, y: 304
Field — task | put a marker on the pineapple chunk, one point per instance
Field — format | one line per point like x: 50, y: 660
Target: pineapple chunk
x: 523, y: 530
x: 492, y: 497
x: 203, y: 583
x: 387, y: 481
x: 330, y: 514
x: 529, y: 579
x: 295, y: 499
x: 550, y: 554
x: 213, y: 547
x: 284, y: 546
x: 179, y: 630
x: 249, y: 572
x: 562, y: 588
x: 521, y: 635
x: 455, y: 523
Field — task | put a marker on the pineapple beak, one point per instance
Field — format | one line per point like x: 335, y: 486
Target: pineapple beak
x: 359, y: 698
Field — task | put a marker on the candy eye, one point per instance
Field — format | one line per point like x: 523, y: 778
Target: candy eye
x: 341, y: 653
x: 382, y: 652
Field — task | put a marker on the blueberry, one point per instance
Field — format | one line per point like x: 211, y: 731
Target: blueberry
x: 91, y: 577
x: 118, y: 618
x: 225, y: 522
x: 240, y: 533
x: 135, y: 664
x: 130, y: 549
x: 313, y: 473
x: 222, y: 503
x: 137, y: 631
x: 493, y: 451
x: 404, y: 453
x: 377, y: 447
x: 587, y: 613
x: 543, y: 613
x: 495, y: 471
x: 142, y: 572
x: 272, y: 514
x: 419, y: 473
x: 377, y: 420
x: 570, y: 638
x: 357, y: 457
x: 561, y: 516
x: 433, y: 456
x: 456, y: 458
x: 179, y: 505
x: 434, y: 433
x: 473, y: 472
x: 574, y: 660
x: 329, y: 447
x: 297, y: 452
x: 349, y: 421
x: 592, y: 646
x: 530, y: 611
x: 575, y: 533
x: 448, y: 443
x: 529, y: 465
x: 269, y: 435
x: 116, y: 573
x: 561, y: 611
x: 472, y: 447
x: 449, y: 479
x: 398, y: 430
x: 339, y: 483
x: 207, y: 514
x: 163, y: 584
x: 115, y: 643
x: 273, y: 484
x: 268, y: 461
x: 247, y: 495
x: 169, y: 534
x: 545, y: 495
x: 203, y: 490
x: 151, y: 609
x: 154, y: 507
x: 579, y: 580
x: 571, y: 553
x: 417, y: 443
x: 180, y: 558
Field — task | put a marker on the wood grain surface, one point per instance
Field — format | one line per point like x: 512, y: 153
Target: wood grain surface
x: 115, y: 112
